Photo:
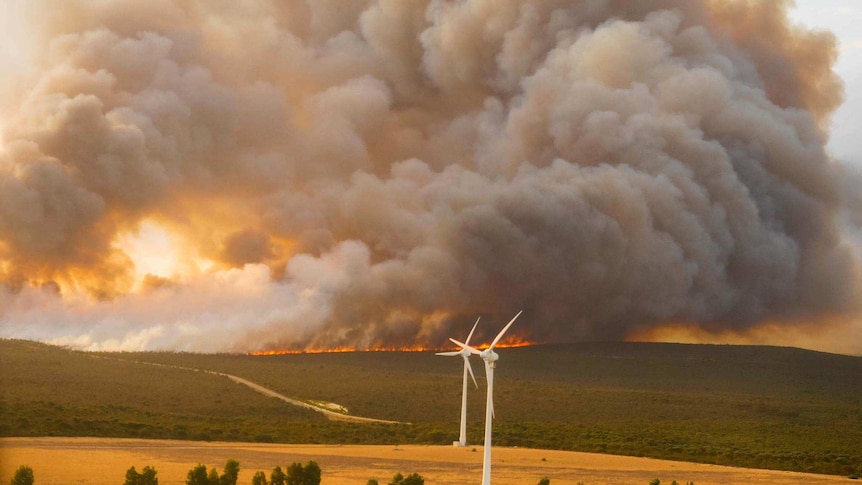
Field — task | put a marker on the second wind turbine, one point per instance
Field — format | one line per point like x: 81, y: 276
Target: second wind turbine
x: 465, y: 354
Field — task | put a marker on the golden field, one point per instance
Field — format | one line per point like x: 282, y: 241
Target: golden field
x: 104, y: 461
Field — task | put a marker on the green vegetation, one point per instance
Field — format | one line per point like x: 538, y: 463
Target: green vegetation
x: 199, y: 476
x: 762, y: 407
x: 297, y: 474
x: 23, y: 476
x: 259, y: 478
x: 146, y: 477
x: 412, y: 479
x: 277, y: 476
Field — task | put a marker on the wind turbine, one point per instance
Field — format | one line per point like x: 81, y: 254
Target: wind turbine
x: 464, y: 353
x: 490, y: 357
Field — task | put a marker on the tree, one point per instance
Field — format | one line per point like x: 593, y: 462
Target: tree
x: 372, y: 481
x: 146, y: 477
x: 312, y: 473
x: 259, y: 478
x: 412, y: 479
x: 23, y: 476
x: 277, y: 476
x: 231, y: 473
x: 655, y: 481
x: 212, y: 477
x: 303, y: 475
x: 545, y: 481
x: 131, y: 477
x: 197, y: 476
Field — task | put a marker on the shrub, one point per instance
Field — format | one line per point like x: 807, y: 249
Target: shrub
x: 231, y: 473
x: 197, y: 476
x: 146, y: 477
x: 259, y: 478
x: 303, y: 475
x: 412, y: 479
x: 23, y: 476
x: 277, y: 476
x: 545, y: 481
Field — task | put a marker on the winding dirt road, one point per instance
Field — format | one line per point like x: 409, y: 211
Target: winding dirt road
x: 326, y: 412
x: 332, y: 415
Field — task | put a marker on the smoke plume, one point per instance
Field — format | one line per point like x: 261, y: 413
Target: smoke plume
x: 258, y: 175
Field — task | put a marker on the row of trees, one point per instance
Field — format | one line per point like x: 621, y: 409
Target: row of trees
x: 296, y: 474
x: 146, y: 477
x: 399, y: 479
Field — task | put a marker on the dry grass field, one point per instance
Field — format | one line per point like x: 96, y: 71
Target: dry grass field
x: 103, y: 461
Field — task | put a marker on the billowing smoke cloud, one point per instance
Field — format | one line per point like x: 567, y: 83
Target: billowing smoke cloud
x: 254, y: 175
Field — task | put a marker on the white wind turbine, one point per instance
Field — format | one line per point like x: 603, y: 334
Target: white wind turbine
x: 490, y: 357
x: 464, y: 353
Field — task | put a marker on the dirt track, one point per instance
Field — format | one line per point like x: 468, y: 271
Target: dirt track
x: 332, y: 415
x: 101, y: 461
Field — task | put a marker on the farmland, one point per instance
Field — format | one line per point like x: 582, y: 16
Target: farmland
x: 763, y: 407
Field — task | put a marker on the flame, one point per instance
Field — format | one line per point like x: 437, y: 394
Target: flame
x: 514, y: 342
x: 337, y: 350
x: 333, y: 350
x: 507, y: 343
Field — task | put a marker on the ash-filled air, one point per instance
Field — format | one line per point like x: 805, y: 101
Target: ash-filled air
x: 242, y: 176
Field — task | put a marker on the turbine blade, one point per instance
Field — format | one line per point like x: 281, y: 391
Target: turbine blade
x: 489, y: 372
x: 470, y: 370
x: 464, y: 346
x: 500, y: 335
x: 450, y: 354
x: 471, y: 331
x: 459, y: 344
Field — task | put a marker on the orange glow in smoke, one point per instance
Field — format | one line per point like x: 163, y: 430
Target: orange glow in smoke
x: 824, y: 334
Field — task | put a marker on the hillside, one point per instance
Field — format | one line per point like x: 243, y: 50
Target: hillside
x: 764, y: 407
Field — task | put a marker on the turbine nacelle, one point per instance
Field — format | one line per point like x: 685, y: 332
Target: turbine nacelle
x: 488, y: 355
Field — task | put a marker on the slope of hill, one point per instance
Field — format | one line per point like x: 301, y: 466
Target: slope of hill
x: 751, y: 406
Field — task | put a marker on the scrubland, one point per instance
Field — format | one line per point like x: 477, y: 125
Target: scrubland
x: 760, y: 407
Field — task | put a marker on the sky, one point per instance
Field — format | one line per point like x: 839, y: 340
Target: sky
x: 304, y: 175
x: 841, y: 17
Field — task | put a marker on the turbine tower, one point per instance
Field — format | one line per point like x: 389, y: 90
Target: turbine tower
x: 464, y: 353
x: 490, y: 357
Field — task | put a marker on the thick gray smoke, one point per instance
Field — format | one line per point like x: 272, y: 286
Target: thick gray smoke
x: 253, y: 175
